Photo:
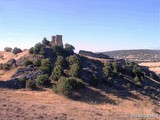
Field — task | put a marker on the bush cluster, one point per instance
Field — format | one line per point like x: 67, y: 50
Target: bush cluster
x: 17, y: 50
x: 8, y: 49
x: 66, y: 86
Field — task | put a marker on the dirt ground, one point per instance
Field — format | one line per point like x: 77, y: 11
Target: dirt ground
x: 5, y: 56
x: 45, y: 105
x: 153, y: 66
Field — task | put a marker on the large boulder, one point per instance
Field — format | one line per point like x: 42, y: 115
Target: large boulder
x: 12, y: 63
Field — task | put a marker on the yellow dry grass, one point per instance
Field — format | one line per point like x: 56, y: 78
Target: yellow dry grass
x: 5, y: 56
x: 6, y: 75
x: 153, y: 66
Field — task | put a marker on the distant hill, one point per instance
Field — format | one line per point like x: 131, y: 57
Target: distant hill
x: 135, y: 55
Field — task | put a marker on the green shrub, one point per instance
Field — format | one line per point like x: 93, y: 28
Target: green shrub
x: 128, y: 85
x: 30, y: 84
x: 153, y: 95
x: 6, y: 66
x: 151, y: 75
x: 145, y: 87
x: 66, y: 86
x: 8, y: 49
x: 27, y: 62
x: 45, y: 41
x: 37, y: 63
x: 22, y: 80
x: 38, y: 47
x: 57, y: 73
x: 95, y: 81
x: 17, y: 50
x: 58, y: 50
x: 136, y: 79
x: 46, y: 67
x: 107, y: 69
x: 60, y: 61
x: 42, y: 51
x: 42, y: 80
x: 74, y: 70
x: 139, y: 83
x: 143, y: 92
x: 73, y: 59
x: 31, y: 50
x: 69, y: 48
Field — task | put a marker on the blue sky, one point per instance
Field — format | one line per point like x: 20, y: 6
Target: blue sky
x: 95, y: 25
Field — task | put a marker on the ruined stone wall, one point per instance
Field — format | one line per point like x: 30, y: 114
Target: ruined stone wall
x: 57, y: 40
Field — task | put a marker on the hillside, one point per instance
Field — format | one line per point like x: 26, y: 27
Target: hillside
x: 54, y: 73
x: 135, y: 55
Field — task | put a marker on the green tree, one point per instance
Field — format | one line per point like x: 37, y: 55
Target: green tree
x: 37, y: 63
x: 30, y: 84
x: 45, y: 41
x: 46, y: 67
x: 27, y: 62
x: 66, y: 86
x: 42, y: 80
x: 72, y: 59
x: 17, y: 50
x: 107, y: 70
x: 74, y: 70
x: 58, y: 50
x: 31, y: 50
x: 60, y: 61
x: 69, y: 48
x: 38, y: 47
x: 8, y: 49
x: 57, y: 73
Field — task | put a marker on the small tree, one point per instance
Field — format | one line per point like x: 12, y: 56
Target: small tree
x: 6, y: 66
x: 69, y: 48
x: 31, y: 50
x: 38, y: 47
x: 66, y: 86
x: 8, y: 49
x: 42, y: 80
x: 57, y: 73
x: 37, y: 63
x: 17, y: 50
x: 95, y: 81
x: 74, y: 70
x: 45, y: 41
x: 73, y: 59
x: 27, y: 62
x: 136, y: 79
x: 30, y: 84
x: 58, y: 50
x: 107, y: 69
x: 46, y: 67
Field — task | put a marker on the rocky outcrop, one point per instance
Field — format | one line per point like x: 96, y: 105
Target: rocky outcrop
x: 91, y: 54
x: 90, y: 68
x: 12, y: 63
x: 11, y: 84
x: 29, y: 72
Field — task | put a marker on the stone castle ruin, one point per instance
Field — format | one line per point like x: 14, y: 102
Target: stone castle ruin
x: 57, y: 40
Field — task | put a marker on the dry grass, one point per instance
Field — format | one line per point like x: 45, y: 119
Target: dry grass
x: 45, y: 105
x: 153, y: 66
x: 6, y: 75
x: 5, y: 56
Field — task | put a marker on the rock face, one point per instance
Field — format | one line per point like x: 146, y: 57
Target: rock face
x: 91, y: 54
x: 12, y: 63
x: 90, y: 67
x: 11, y: 84
x: 29, y: 72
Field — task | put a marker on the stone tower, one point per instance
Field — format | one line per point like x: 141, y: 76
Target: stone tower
x: 57, y: 40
